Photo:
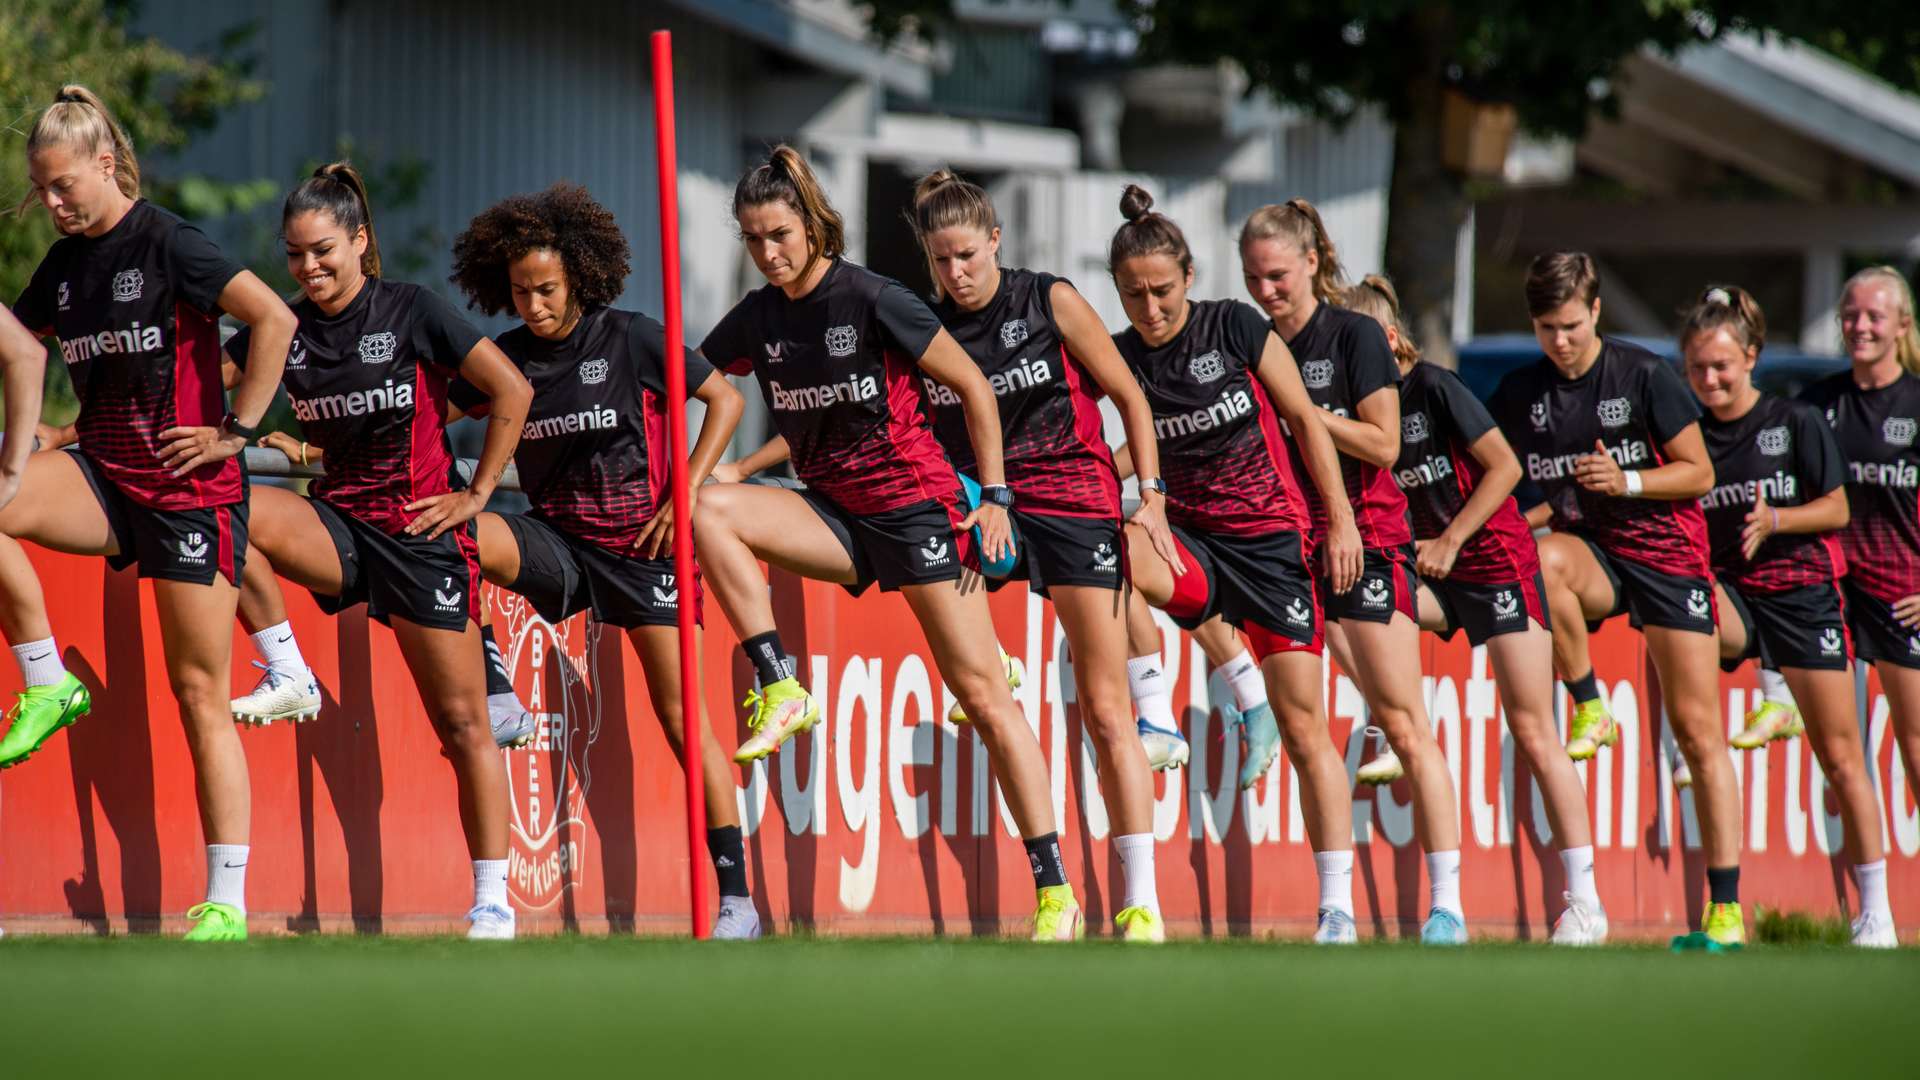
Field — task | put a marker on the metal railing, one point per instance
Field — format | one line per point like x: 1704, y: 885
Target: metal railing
x: 263, y: 461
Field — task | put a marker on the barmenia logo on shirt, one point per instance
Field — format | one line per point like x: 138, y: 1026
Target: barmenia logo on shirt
x: 594, y: 372
x: 1413, y: 427
x: 1317, y: 373
x: 842, y: 341
x: 377, y: 348
x: 1615, y: 412
x: 126, y: 285
x: 1012, y: 333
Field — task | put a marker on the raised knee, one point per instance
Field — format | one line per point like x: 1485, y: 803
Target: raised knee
x: 464, y: 726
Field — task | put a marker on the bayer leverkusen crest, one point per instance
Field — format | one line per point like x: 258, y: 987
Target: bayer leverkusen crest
x: 555, y: 674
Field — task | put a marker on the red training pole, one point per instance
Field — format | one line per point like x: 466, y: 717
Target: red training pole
x: 693, y: 730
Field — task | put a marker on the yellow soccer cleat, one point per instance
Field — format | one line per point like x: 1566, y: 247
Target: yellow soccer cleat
x: 1016, y: 674
x: 1592, y: 728
x: 217, y: 922
x: 1770, y: 721
x: 780, y: 712
x: 1057, y: 916
x: 1137, y: 924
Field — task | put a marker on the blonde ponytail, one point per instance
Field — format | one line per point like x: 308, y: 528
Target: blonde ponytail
x: 1298, y: 222
x: 78, y: 119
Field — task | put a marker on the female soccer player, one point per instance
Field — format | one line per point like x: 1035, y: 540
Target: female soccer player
x: 1778, y: 496
x: 1220, y: 384
x: 1480, y: 572
x: 1611, y: 435
x: 1293, y: 272
x: 134, y: 296
x: 592, y: 462
x: 835, y: 347
x: 368, y: 375
x: 1047, y: 358
x: 1874, y: 411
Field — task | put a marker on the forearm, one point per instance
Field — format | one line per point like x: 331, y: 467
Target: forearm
x: 1123, y: 460
x: 983, y: 431
x: 1676, y: 481
x: 1359, y: 439
x: 1539, y: 516
x: 26, y: 370
x: 1492, y: 490
x: 1141, y: 449
x: 1323, y: 465
x: 266, y: 360
x: 723, y: 416
x: 774, y: 452
x: 508, y: 416
x: 1822, y: 515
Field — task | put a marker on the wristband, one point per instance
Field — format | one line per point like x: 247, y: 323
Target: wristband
x: 1634, y: 484
x: 303, y: 452
x: 231, y: 425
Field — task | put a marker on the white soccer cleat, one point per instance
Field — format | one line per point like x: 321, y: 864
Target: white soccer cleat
x: 490, y: 922
x: 1016, y: 674
x: 1580, y: 924
x: 1873, y: 930
x: 1335, y: 928
x: 513, y: 725
x: 1165, y: 749
x: 281, y: 694
x: 1385, y: 767
x: 737, y: 921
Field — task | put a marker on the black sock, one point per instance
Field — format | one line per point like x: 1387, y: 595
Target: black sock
x: 729, y: 859
x: 769, y: 660
x: 498, y: 681
x: 1583, y: 689
x: 1049, y: 868
x: 1723, y: 884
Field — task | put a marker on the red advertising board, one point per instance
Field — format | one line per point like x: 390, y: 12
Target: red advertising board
x: 883, y: 819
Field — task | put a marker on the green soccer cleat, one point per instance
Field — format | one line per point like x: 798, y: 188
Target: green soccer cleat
x: 38, y: 713
x: 1137, y: 924
x: 1016, y: 674
x: 217, y: 922
x: 1057, y: 916
x: 1770, y: 721
x: 1592, y: 728
x: 780, y: 712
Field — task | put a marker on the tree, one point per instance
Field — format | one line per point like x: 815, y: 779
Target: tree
x: 1556, y: 64
x: 161, y: 96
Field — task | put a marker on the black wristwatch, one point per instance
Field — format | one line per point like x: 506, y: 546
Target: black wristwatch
x: 1153, y: 483
x: 999, y: 495
x: 231, y: 425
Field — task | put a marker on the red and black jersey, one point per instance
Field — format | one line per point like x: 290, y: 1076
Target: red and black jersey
x: 1877, y: 430
x: 838, y: 369
x: 369, y: 387
x: 1057, y: 458
x: 1780, y: 449
x: 1634, y: 403
x: 137, y: 315
x: 593, y: 457
x: 1440, y: 420
x: 1344, y: 358
x: 1222, y: 453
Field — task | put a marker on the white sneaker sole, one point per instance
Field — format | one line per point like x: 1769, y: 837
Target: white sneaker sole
x: 299, y: 714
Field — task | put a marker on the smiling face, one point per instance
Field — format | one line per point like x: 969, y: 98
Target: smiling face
x: 776, y: 237
x: 76, y: 186
x: 540, y: 294
x: 1568, y: 333
x: 1279, y: 277
x: 1153, y: 290
x: 1871, y: 320
x: 323, y: 259
x: 963, y: 260
x: 1719, y: 368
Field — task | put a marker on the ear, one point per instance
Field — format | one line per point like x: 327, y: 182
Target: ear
x: 993, y: 241
x: 360, y: 241
x: 1189, y: 283
x: 1596, y: 311
x: 108, y: 165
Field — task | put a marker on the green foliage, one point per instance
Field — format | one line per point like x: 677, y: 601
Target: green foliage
x: 1772, y: 926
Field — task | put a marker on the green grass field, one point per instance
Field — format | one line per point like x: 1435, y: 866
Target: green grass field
x: 341, y: 1007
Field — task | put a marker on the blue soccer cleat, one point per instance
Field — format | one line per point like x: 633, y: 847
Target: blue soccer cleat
x: 1443, y: 927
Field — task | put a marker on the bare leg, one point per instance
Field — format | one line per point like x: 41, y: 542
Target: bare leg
x: 1826, y: 700
x: 1388, y: 675
x: 55, y: 509
x: 1521, y: 669
x: 1096, y: 629
x: 737, y: 525
x: 1689, y: 669
x: 1577, y: 590
x: 447, y: 671
x: 659, y: 650
x: 1902, y: 686
x: 1295, y: 688
x: 196, y: 634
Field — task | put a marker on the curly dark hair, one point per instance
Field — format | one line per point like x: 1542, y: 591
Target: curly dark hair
x: 564, y: 219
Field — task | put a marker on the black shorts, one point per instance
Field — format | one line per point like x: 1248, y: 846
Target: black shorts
x: 1258, y: 583
x: 1650, y: 597
x: 1797, y: 628
x: 193, y: 546
x: 921, y: 544
x: 1489, y: 610
x: 1387, y: 584
x: 1055, y: 549
x: 560, y: 576
x: 433, y: 583
x: 1877, y: 635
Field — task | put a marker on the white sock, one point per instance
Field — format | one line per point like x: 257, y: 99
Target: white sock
x: 490, y: 882
x: 1578, y: 863
x: 1774, y: 686
x: 227, y: 874
x: 277, y: 647
x: 1443, y: 880
x: 1335, y: 869
x: 1136, y: 865
x: 1872, y: 879
x: 40, y: 662
x: 1249, y: 688
x: 1152, y: 697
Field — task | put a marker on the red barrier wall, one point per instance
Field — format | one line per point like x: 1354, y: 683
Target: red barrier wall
x: 880, y: 820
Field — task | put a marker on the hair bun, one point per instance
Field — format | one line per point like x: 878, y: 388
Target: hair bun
x: 1135, y: 203
x: 1718, y: 295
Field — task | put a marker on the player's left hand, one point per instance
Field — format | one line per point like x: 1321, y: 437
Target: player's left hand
x: 1434, y: 558
x: 996, y: 531
x: 438, y: 513
x: 1599, y: 472
x: 184, y: 449
x: 656, y: 536
x: 1907, y: 610
x: 1762, y: 521
x: 1152, y: 516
